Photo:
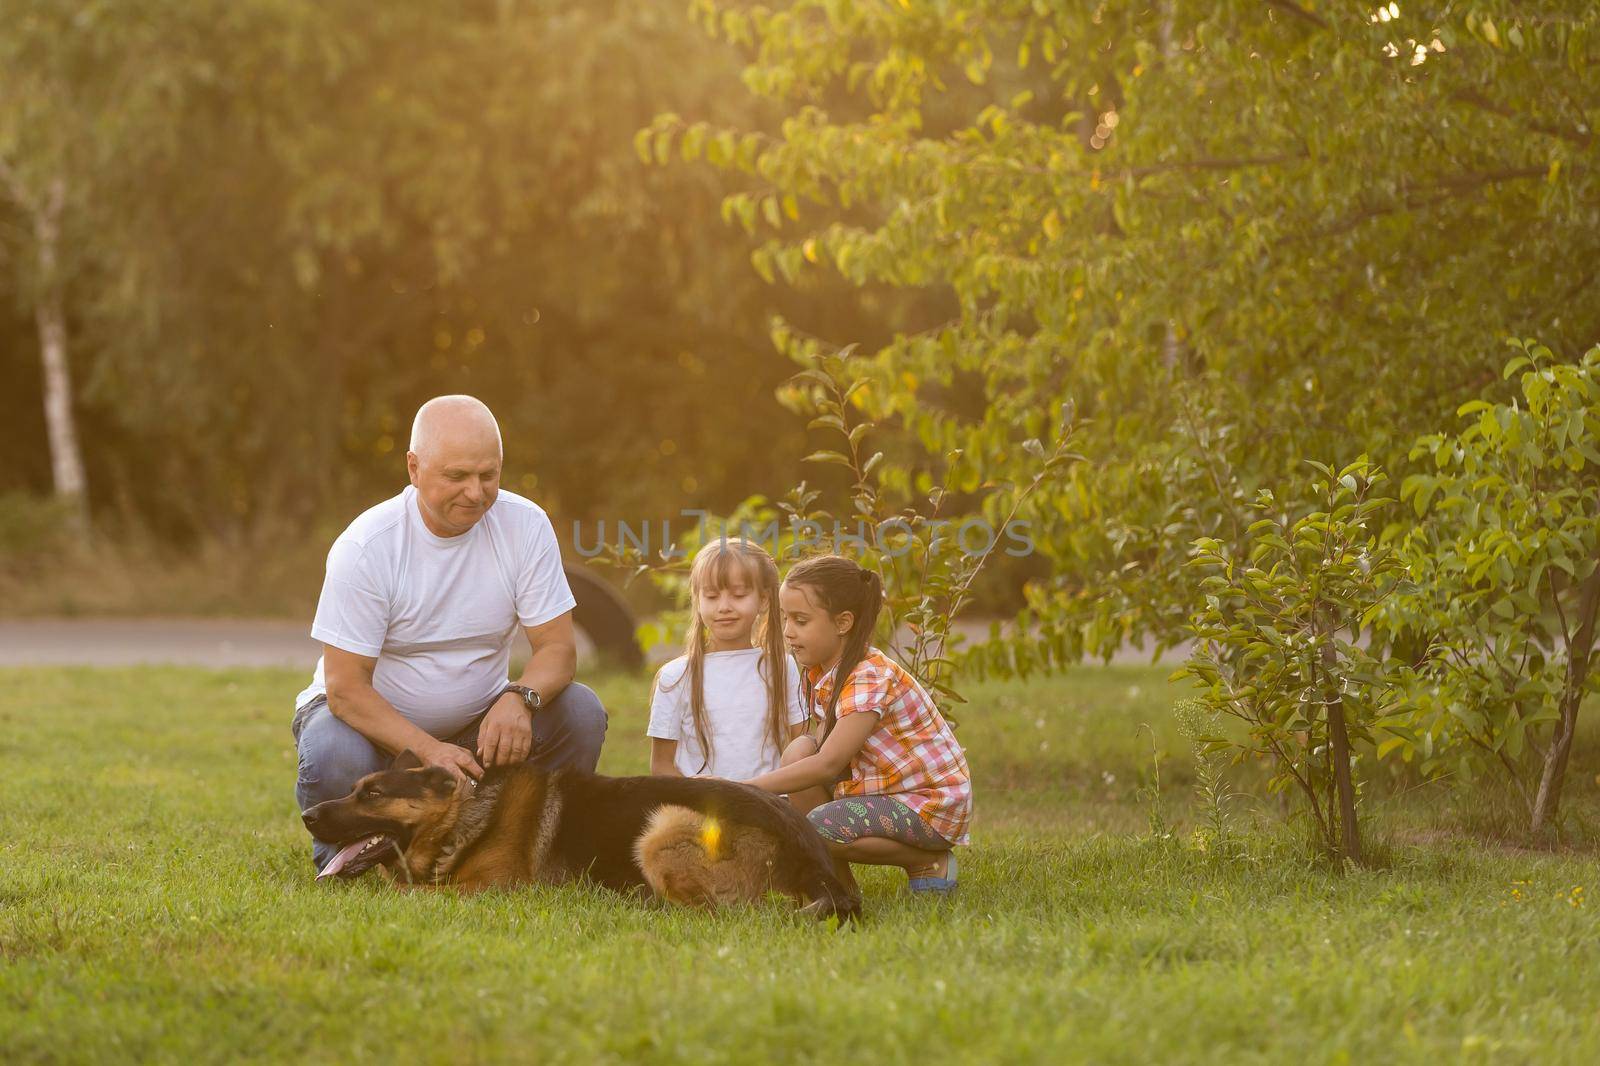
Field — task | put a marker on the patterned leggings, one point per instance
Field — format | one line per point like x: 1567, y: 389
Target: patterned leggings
x: 845, y: 820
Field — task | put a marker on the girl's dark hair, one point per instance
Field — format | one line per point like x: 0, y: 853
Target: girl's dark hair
x: 837, y: 584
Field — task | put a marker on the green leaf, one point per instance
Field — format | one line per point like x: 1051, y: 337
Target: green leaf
x: 1515, y: 365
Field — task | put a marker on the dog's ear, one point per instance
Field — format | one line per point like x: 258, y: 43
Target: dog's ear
x: 406, y: 760
x: 439, y: 780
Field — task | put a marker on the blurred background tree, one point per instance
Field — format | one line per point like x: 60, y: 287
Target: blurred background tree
x: 284, y: 224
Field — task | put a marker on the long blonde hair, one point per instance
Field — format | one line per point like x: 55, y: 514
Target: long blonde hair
x: 713, y: 567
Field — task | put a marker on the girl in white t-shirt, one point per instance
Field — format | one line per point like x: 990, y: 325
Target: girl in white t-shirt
x: 721, y: 709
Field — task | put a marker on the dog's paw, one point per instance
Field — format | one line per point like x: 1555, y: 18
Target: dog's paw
x: 824, y: 908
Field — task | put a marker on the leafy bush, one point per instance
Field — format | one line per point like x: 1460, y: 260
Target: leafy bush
x: 1278, y: 643
x: 1506, y: 588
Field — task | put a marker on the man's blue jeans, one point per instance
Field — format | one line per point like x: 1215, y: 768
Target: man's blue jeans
x: 567, y: 731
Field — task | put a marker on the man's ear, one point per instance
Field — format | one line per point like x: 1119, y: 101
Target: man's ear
x: 412, y: 462
x: 406, y: 760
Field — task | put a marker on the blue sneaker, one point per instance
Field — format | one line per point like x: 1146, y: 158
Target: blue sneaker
x: 937, y: 886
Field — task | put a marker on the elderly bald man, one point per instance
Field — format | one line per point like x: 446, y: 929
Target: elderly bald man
x: 423, y: 596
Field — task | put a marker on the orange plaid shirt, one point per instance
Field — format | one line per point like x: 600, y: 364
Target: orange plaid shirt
x: 912, y: 755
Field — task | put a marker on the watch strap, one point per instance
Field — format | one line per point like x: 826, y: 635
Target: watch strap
x: 530, y: 697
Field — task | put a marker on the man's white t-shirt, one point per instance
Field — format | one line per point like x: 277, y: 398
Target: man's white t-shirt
x: 439, y: 613
x: 736, y: 713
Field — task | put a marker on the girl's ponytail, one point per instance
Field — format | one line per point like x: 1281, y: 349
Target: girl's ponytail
x: 840, y: 585
x: 775, y: 659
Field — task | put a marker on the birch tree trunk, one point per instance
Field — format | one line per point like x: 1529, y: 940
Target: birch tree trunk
x: 1339, y: 757
x: 50, y: 316
x: 1548, y: 800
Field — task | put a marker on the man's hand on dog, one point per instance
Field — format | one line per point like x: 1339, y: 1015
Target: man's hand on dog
x: 452, y: 757
x: 506, y: 735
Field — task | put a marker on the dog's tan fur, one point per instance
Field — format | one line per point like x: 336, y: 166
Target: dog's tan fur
x: 494, y: 839
x: 691, y: 859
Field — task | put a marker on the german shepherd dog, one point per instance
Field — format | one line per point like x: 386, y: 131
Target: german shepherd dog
x: 690, y: 840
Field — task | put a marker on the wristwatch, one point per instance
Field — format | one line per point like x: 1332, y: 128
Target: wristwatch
x: 530, y: 697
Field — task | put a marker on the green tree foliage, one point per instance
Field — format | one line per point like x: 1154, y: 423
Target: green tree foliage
x: 929, y: 563
x: 1234, y: 233
x: 1279, y: 642
x: 1505, y: 585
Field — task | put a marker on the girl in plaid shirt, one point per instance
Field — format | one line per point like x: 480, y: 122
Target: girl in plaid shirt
x: 881, y: 775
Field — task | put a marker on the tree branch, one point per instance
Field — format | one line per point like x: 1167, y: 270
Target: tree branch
x: 1292, y: 8
x: 1474, y: 98
x: 1445, y: 189
x: 1239, y: 163
x: 1510, y: 768
x: 1235, y: 163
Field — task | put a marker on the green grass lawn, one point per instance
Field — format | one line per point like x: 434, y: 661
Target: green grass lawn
x: 156, y: 903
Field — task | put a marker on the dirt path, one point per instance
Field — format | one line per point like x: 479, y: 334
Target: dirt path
x: 221, y: 642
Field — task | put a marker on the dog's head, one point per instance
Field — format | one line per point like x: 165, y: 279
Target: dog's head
x: 378, y: 820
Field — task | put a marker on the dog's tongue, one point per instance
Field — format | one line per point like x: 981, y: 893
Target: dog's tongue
x: 346, y: 853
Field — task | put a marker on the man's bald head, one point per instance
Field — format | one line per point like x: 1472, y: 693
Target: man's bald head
x: 447, y: 424
x: 454, y: 462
